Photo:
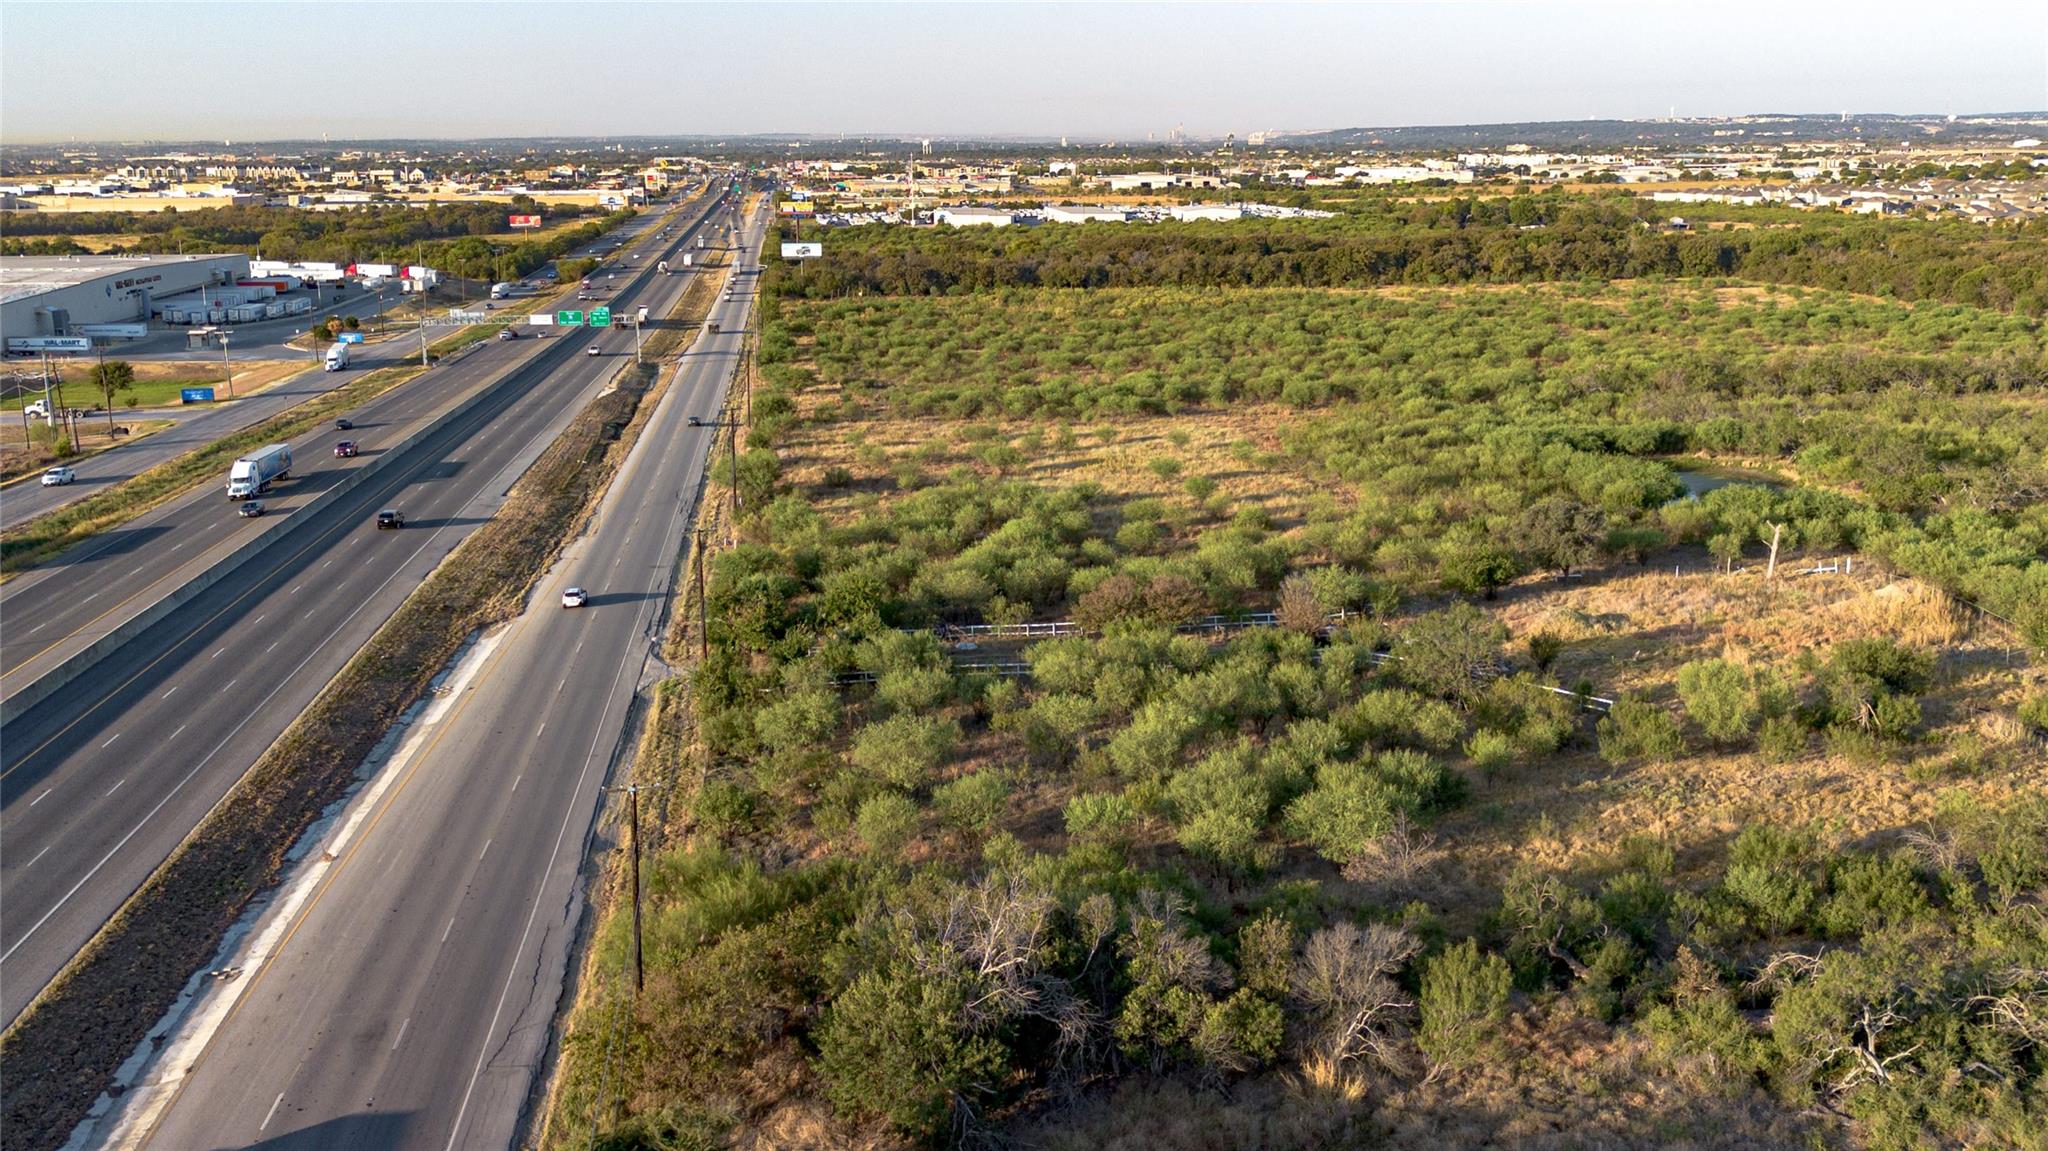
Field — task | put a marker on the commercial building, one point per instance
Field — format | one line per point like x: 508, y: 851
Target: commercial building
x: 1208, y: 212
x: 56, y: 295
x: 1083, y: 213
x: 974, y: 217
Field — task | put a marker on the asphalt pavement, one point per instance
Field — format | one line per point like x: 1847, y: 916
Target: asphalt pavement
x: 412, y: 998
x: 103, y: 779
x: 266, y: 340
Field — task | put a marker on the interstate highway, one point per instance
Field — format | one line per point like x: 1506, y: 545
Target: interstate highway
x: 64, y: 603
x: 198, y: 427
x: 411, y: 1000
x: 104, y: 778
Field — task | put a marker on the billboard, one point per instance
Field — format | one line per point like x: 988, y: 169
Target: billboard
x: 349, y: 338
x: 27, y: 344
x: 542, y: 319
x: 195, y: 395
x: 802, y: 251
x: 523, y: 221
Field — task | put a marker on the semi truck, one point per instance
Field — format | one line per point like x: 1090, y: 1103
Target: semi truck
x: 500, y: 291
x: 251, y: 475
x: 337, y: 357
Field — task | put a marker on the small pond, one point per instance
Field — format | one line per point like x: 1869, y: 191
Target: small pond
x: 1700, y: 478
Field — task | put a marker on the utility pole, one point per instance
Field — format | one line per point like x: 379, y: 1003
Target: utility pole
x: 633, y: 817
x: 423, y: 341
x: 703, y: 624
x: 1771, y: 568
x: 227, y: 365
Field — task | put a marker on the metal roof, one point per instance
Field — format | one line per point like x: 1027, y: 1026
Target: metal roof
x: 25, y: 276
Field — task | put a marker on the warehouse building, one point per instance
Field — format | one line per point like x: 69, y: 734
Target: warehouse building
x: 59, y: 295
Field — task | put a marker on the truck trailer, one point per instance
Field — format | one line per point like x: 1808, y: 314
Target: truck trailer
x: 337, y: 357
x: 251, y: 475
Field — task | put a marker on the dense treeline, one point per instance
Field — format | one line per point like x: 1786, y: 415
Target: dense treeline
x: 1510, y: 239
x: 467, y: 239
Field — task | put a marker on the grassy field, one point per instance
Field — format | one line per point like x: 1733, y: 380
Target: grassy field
x: 1377, y: 874
x: 157, y: 382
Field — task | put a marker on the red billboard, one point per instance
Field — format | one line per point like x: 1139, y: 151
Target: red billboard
x: 525, y: 221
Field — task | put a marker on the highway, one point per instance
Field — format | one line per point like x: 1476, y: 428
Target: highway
x: 413, y: 993
x: 197, y: 427
x: 64, y: 603
x: 103, y: 779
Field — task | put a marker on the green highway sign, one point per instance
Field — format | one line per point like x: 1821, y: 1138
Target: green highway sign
x: 600, y: 317
x: 568, y: 319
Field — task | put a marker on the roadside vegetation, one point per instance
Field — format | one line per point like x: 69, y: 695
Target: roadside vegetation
x: 1204, y: 716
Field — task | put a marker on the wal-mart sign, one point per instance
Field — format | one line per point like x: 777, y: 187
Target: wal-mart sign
x: 802, y: 251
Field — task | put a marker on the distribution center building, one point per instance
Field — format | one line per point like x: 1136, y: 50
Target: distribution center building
x: 55, y: 295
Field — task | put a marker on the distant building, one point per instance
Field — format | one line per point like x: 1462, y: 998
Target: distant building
x: 1083, y: 213
x: 1208, y: 212
x: 974, y: 217
x: 1158, y: 181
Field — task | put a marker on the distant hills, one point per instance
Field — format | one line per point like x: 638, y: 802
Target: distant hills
x: 1766, y: 128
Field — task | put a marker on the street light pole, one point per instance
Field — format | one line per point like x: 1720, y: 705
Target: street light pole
x: 226, y: 364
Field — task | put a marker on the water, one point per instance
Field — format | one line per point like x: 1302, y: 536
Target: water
x: 1700, y: 480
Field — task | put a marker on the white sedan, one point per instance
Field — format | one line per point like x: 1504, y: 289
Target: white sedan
x: 595, y: 351
x: 575, y: 597
x: 57, y: 477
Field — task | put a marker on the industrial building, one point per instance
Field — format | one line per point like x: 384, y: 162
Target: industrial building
x: 61, y: 295
x: 974, y: 217
x: 1083, y: 213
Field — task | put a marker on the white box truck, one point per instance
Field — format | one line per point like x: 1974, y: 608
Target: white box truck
x: 252, y: 474
x: 337, y: 357
x: 500, y: 291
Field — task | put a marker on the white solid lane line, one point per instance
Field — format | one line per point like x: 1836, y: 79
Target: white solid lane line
x: 40, y: 798
x: 270, y: 1114
x: 110, y: 741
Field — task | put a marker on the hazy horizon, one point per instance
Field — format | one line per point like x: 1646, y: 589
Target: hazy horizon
x: 370, y: 71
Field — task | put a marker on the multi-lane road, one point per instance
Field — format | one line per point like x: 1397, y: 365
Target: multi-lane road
x: 101, y: 780
x: 197, y: 427
x: 412, y: 995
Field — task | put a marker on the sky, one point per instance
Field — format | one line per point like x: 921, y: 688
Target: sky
x: 255, y: 71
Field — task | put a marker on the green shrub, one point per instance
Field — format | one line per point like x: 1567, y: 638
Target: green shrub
x: 1636, y: 729
x: 892, y: 1046
x: 1464, y: 1001
x: 972, y: 802
x: 886, y: 824
x: 1774, y: 874
x: 1783, y: 739
x: 1105, y: 818
x: 1490, y: 750
x: 903, y: 750
x: 1717, y: 696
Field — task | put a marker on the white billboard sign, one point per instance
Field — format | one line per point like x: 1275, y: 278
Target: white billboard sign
x: 542, y: 319
x: 802, y: 251
x: 50, y: 344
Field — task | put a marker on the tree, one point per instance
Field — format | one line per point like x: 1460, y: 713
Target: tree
x: 1441, y: 650
x: 1561, y: 534
x: 1464, y: 1001
x: 111, y: 378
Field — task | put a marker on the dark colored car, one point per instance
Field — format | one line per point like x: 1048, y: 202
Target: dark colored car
x: 345, y: 424
x: 390, y: 518
x: 345, y: 449
x: 696, y: 421
x: 251, y: 510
